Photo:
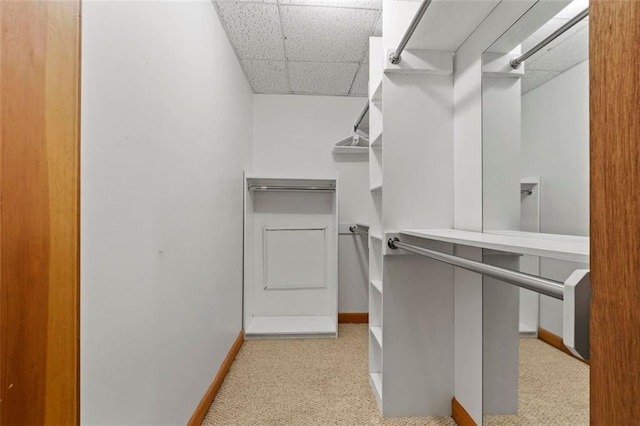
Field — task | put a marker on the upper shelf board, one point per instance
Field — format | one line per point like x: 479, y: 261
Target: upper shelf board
x: 555, y: 246
x: 376, y: 96
x: 257, y: 182
x: 445, y: 25
x: 352, y: 145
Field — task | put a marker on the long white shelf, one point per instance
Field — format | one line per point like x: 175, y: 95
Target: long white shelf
x: 291, y: 326
x: 346, y: 146
x: 375, y: 236
x: 376, y: 380
x: 377, y: 284
x: 376, y: 97
x: 562, y: 247
x: 377, y: 142
x: 377, y: 334
x: 361, y: 150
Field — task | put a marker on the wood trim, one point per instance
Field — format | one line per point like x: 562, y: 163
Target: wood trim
x: 556, y: 341
x: 353, y: 318
x: 39, y: 212
x: 460, y: 415
x: 203, y: 407
x: 614, y: 96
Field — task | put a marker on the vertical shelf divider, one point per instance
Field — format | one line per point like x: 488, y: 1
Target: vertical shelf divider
x: 376, y: 296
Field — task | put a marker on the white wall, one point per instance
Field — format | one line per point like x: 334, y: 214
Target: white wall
x: 166, y: 133
x: 293, y: 136
x: 555, y: 145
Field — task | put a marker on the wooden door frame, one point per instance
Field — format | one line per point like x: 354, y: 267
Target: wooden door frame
x: 614, y: 50
x: 39, y: 212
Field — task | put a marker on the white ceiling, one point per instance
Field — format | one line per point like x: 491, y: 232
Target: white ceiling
x: 317, y: 47
x: 563, y: 53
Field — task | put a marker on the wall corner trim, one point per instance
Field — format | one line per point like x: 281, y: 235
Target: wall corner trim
x: 353, y: 317
x: 460, y: 415
x: 203, y: 407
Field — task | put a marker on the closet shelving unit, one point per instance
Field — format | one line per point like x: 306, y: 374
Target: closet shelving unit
x: 375, y: 214
x: 412, y: 299
x: 290, y: 257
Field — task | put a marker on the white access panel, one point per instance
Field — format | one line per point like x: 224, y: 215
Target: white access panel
x: 294, y: 258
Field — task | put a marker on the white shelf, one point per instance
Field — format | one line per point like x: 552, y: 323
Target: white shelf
x: 361, y: 150
x: 346, y: 146
x: 377, y: 334
x: 377, y: 284
x: 291, y: 326
x: 329, y: 183
x: 377, y: 142
x: 376, y: 381
x: 562, y: 247
x: 375, y: 236
x: 376, y: 188
x: 526, y: 330
x: 376, y: 97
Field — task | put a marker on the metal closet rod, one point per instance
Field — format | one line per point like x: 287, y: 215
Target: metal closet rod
x: 395, y: 56
x: 515, y: 63
x: 356, y: 230
x: 291, y: 188
x: 540, y: 285
x: 362, y: 114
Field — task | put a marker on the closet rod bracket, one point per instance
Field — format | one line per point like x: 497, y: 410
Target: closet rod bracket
x: 391, y: 243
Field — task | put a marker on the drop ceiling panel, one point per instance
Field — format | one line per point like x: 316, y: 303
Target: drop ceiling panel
x: 360, y: 85
x: 443, y: 27
x: 326, y: 34
x: 535, y: 78
x: 253, y: 29
x: 549, y: 28
x: 267, y: 76
x: 323, y: 78
x: 564, y: 55
x: 377, y: 30
x: 362, y: 4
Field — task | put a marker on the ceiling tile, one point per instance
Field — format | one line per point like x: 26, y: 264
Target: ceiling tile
x: 253, y: 28
x: 267, y: 76
x: 321, y: 77
x: 326, y: 34
x: 249, y: 1
x: 363, y: 4
x: 360, y: 85
x: 377, y: 30
x: 549, y: 28
x: 564, y: 55
x: 535, y: 78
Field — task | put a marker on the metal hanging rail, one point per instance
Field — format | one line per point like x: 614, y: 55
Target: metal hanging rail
x: 362, y: 114
x: 395, y: 56
x: 540, y: 285
x: 291, y: 188
x: 357, y: 230
x: 515, y: 63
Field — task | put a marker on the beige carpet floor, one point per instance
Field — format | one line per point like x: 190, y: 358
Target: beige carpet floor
x: 325, y: 382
